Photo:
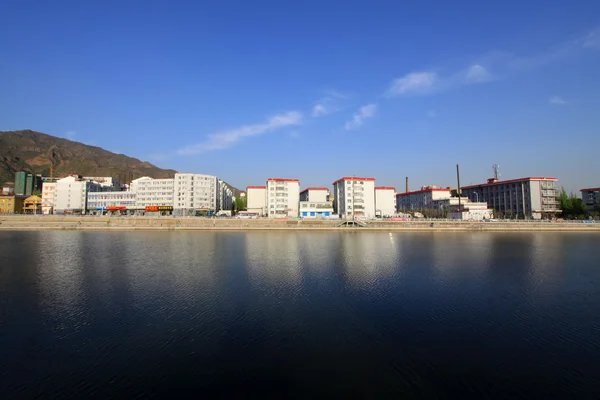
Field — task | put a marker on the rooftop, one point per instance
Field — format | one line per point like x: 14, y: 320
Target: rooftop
x: 256, y: 187
x: 493, y: 181
x: 590, y: 189
x: 353, y: 178
x: 425, y: 190
x: 385, y: 188
x: 283, y: 179
x: 314, y: 188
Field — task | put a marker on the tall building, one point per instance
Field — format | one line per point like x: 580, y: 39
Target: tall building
x: 23, y: 183
x: 532, y: 197
x: 385, y: 201
x: 152, y: 192
x: 195, y: 193
x: 70, y: 195
x: 423, y: 199
x: 354, y: 196
x: 591, y: 198
x: 257, y: 200
x: 283, y: 197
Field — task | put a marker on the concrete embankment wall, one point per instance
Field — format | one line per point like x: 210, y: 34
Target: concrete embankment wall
x: 51, y: 222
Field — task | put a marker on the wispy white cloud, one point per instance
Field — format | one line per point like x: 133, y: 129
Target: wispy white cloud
x: 331, y: 103
x: 413, y: 83
x: 477, y: 73
x: 365, y: 112
x: 223, y: 140
x: 557, y: 100
x: 592, y: 40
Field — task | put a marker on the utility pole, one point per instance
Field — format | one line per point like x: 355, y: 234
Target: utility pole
x: 406, y: 185
x: 458, y: 190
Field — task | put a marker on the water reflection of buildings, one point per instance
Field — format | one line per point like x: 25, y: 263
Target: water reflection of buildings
x: 274, y: 258
x: 461, y: 254
x: 369, y: 257
x: 61, y: 257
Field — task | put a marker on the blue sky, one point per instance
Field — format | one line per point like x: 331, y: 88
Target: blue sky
x: 314, y: 90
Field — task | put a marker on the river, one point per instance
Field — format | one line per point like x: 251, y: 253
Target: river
x: 299, y: 314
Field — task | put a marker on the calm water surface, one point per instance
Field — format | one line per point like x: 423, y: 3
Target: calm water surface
x: 418, y: 315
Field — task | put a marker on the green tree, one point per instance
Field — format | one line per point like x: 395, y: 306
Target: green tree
x: 240, y: 204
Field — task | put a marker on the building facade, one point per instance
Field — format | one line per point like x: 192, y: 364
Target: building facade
x: 23, y: 183
x: 256, y: 200
x: 532, y: 197
x: 11, y: 204
x: 385, y: 201
x: 101, y: 202
x: 354, y: 196
x: 107, y: 182
x: 152, y: 192
x: 591, y: 198
x: 283, y: 197
x: 195, y: 194
x: 316, y: 194
x: 316, y: 209
x: 226, y: 196
x: 48, y: 189
x: 421, y: 199
x: 70, y: 195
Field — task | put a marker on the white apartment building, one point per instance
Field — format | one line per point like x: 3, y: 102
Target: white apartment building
x: 195, y: 193
x: 99, y: 202
x: 152, y: 192
x: 70, y: 195
x: 315, y: 194
x: 421, y: 199
x: 257, y: 200
x: 283, y: 197
x: 226, y: 196
x: 532, y: 197
x: 385, y: 201
x: 48, y: 189
x: 354, y: 196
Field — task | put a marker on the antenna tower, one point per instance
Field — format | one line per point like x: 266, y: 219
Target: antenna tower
x: 496, y: 169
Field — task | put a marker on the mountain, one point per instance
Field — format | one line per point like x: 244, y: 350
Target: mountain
x: 35, y: 152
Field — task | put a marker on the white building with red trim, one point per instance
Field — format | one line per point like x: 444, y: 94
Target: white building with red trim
x: 354, y: 196
x: 283, y: 197
x: 385, y: 201
x: 257, y: 200
x: 421, y: 199
x: 532, y: 197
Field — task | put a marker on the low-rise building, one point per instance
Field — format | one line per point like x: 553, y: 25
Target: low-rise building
x: 283, y: 197
x: 532, y: 197
x: 316, y: 209
x: 32, y: 205
x: 591, y: 198
x: 354, y: 196
x: 256, y: 200
x: 385, y: 201
x: 106, y: 202
x: 423, y: 199
x: 106, y: 182
x: 11, y: 204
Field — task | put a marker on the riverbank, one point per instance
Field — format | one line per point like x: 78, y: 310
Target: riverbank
x: 55, y: 222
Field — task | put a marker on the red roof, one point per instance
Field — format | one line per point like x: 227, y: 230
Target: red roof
x: 314, y: 188
x: 283, y: 179
x: 385, y: 188
x: 256, y: 187
x: 447, y: 189
x: 531, y: 178
x: 355, y: 178
x: 589, y: 189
